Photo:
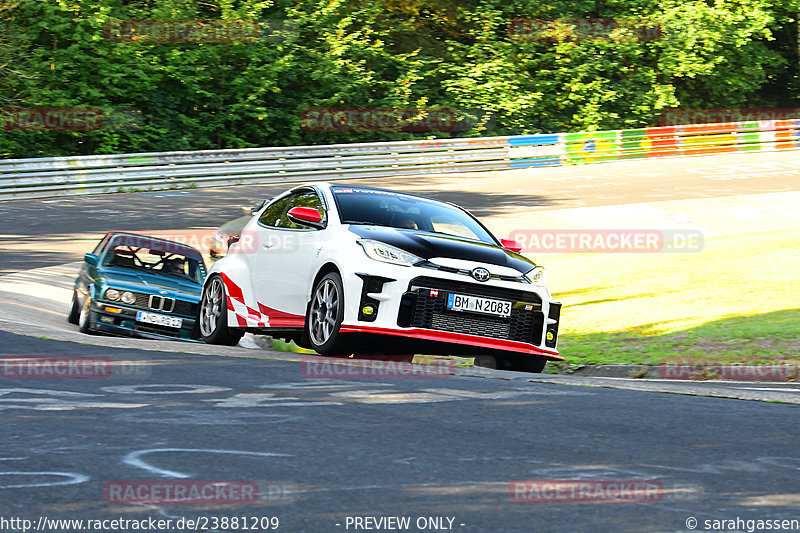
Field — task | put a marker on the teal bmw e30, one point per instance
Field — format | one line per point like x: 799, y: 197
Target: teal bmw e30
x: 141, y: 286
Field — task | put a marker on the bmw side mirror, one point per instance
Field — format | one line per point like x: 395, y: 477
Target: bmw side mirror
x: 307, y: 216
x: 91, y: 259
x: 511, y: 246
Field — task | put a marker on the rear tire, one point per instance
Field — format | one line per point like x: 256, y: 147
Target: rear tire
x: 325, y: 315
x: 74, y: 309
x: 521, y: 363
x: 213, y: 316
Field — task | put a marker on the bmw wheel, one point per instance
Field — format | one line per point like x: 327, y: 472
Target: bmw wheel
x: 213, y: 316
x: 86, y: 317
x: 74, y: 310
x: 325, y: 315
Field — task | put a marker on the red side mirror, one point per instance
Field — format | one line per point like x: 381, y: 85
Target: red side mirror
x: 305, y: 214
x: 510, y: 245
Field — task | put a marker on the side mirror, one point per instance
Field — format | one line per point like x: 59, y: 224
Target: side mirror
x: 91, y: 259
x: 512, y: 246
x: 307, y: 216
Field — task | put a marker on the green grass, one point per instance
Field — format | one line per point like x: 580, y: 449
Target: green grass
x: 754, y: 339
x: 736, y: 301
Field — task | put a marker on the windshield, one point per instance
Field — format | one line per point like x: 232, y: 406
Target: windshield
x: 155, y: 256
x: 403, y: 211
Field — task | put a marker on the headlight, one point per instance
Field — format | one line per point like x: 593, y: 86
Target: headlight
x: 112, y: 294
x: 380, y: 251
x: 537, y: 276
x: 128, y: 297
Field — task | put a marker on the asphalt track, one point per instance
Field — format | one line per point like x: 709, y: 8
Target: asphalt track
x: 321, y: 451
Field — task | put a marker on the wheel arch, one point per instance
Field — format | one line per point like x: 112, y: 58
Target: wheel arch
x: 324, y: 270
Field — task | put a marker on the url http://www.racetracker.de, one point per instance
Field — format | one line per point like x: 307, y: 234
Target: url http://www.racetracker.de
x: 750, y: 525
x: 44, y: 524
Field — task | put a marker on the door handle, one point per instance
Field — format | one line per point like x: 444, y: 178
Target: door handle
x: 269, y: 244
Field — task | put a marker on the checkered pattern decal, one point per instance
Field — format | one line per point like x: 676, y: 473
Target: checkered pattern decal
x: 241, y: 314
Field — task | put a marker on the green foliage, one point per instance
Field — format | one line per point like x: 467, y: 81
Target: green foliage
x: 456, y: 54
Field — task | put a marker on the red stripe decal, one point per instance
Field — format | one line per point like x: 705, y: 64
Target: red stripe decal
x: 233, y: 289
x: 274, y: 313
x: 457, y: 338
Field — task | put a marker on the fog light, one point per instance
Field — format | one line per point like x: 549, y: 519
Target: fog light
x: 367, y: 310
x: 107, y: 319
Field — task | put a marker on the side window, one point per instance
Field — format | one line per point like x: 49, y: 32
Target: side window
x: 302, y: 199
x: 272, y: 215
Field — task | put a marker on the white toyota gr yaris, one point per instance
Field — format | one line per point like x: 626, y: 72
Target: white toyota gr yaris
x: 347, y: 269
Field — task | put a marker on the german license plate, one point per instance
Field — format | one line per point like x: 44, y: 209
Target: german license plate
x: 159, y: 320
x: 476, y: 304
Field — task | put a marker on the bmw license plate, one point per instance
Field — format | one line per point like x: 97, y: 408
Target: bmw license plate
x: 476, y: 304
x: 159, y: 320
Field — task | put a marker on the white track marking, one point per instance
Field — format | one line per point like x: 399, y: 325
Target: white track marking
x: 133, y: 459
x: 189, y: 389
x: 73, y: 479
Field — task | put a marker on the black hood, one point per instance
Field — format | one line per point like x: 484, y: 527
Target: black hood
x: 429, y: 245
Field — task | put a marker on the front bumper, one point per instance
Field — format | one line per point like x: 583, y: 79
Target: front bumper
x: 124, y: 323
x: 411, y: 302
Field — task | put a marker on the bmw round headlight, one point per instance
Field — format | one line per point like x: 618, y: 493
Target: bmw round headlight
x: 537, y: 276
x: 112, y: 294
x: 380, y: 251
x: 128, y: 297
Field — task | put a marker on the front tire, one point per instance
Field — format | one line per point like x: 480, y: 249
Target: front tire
x: 86, y: 316
x: 213, y: 317
x: 325, y: 315
x: 74, y: 309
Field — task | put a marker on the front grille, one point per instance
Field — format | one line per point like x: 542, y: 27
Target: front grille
x: 430, y: 312
x: 476, y: 289
x: 182, y: 307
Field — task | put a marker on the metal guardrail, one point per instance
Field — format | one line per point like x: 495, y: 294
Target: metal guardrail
x: 66, y: 176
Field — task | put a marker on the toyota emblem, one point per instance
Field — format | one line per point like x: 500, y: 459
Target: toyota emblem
x: 481, y: 274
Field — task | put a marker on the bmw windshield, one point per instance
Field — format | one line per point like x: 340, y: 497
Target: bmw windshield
x: 377, y: 207
x: 135, y: 252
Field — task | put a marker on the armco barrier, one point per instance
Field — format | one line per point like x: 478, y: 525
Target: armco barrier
x: 64, y: 176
